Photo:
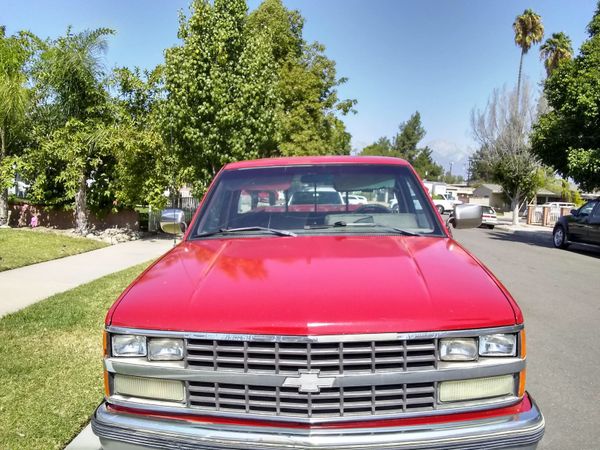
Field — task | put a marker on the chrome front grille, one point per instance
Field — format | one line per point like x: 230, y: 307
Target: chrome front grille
x: 327, y: 359
x: 313, y: 379
x: 334, y: 402
x: 330, y: 358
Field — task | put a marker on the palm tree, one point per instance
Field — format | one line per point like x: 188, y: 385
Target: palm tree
x: 555, y: 50
x: 529, y: 30
x: 72, y: 69
x: 72, y: 73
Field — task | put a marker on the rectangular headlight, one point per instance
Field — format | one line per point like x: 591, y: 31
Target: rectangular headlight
x: 153, y: 388
x: 498, y: 345
x: 165, y: 349
x: 128, y: 345
x: 478, y: 388
x: 458, y: 349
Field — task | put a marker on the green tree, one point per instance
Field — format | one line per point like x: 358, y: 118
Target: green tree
x: 14, y: 100
x: 308, y: 110
x: 144, y: 168
x: 381, y: 147
x: 411, y: 132
x: 425, y: 166
x: 556, y: 49
x: 221, y: 99
x: 85, y: 162
x: 529, y: 30
x: 452, y: 179
x: 479, y: 167
x: 71, y: 94
x: 567, y: 137
x: 405, y: 145
x: 118, y: 146
x: 70, y: 73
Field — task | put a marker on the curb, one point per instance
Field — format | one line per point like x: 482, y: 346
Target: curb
x: 525, y: 228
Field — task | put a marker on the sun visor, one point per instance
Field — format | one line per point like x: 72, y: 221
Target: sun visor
x: 260, y: 184
x: 363, y: 182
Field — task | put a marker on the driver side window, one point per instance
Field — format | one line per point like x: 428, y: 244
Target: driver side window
x: 586, y: 210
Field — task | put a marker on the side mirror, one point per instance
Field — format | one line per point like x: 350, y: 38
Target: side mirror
x: 172, y: 221
x: 574, y: 212
x: 466, y: 216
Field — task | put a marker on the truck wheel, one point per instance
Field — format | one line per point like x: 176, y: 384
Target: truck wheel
x: 559, y: 237
x: 440, y: 209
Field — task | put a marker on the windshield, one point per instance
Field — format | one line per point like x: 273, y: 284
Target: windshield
x: 315, y: 199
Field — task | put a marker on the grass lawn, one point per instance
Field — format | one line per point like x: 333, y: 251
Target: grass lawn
x: 23, y: 247
x: 51, y: 364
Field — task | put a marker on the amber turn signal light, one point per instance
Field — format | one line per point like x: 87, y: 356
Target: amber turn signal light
x: 106, y: 384
x: 105, y: 353
x: 522, y: 377
x: 522, y: 354
x: 105, y: 343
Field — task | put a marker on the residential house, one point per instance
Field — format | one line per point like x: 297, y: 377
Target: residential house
x: 494, y: 195
x: 546, y: 196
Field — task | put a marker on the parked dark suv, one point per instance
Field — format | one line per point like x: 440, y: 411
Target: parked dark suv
x: 583, y: 225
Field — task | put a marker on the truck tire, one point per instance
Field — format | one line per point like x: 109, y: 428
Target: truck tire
x: 440, y: 209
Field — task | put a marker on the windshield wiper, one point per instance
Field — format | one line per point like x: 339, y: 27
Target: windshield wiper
x: 401, y: 231
x: 237, y: 230
x: 341, y: 223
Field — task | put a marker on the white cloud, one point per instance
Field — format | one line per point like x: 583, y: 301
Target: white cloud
x: 445, y: 152
x: 358, y: 145
x: 449, y: 149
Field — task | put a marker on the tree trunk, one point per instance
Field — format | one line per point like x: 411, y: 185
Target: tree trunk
x: 519, y: 80
x: 3, y: 192
x: 3, y: 207
x: 515, y: 203
x: 515, y: 220
x: 81, y: 212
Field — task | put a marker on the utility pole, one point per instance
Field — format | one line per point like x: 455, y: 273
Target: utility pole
x: 469, y: 170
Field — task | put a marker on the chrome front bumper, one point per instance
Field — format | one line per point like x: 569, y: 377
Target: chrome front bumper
x: 130, y: 431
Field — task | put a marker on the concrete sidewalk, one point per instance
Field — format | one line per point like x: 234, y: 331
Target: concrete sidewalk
x: 27, y: 285
x: 86, y: 440
x: 523, y: 227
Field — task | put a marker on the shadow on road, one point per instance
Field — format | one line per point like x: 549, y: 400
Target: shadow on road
x: 542, y: 239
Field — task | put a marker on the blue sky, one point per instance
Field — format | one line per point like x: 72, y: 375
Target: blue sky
x: 441, y: 57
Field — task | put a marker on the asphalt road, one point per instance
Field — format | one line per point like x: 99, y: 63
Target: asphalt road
x: 559, y: 293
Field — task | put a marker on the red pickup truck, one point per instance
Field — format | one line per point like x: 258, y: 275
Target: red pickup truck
x: 321, y: 327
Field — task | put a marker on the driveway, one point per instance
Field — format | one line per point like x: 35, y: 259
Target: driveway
x: 559, y: 292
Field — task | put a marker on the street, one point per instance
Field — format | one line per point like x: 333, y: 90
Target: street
x: 559, y: 293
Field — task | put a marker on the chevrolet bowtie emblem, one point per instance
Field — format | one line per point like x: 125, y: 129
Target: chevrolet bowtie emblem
x: 309, y: 381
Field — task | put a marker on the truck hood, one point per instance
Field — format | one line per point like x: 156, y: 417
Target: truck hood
x: 312, y: 285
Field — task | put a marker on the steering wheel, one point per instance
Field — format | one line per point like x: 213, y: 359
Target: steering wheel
x: 373, y: 208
